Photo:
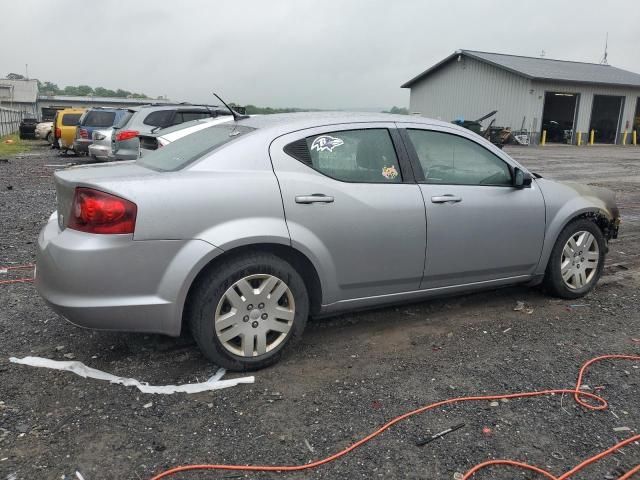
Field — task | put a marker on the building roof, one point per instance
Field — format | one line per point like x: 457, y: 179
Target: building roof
x: 544, y: 69
x: 91, y: 99
x: 19, y: 91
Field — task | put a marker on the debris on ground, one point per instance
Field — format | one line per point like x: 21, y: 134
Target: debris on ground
x: 79, y: 368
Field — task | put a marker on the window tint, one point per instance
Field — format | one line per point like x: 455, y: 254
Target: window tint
x: 70, y: 119
x: 124, y: 119
x: 188, y: 116
x: 350, y: 155
x: 160, y: 118
x: 97, y: 118
x: 177, y: 155
x: 449, y: 159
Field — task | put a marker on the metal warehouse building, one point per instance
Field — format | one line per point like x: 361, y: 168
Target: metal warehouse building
x: 567, y: 99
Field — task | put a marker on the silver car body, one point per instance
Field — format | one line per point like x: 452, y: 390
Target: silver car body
x: 375, y: 244
x: 100, y: 147
x: 148, y: 118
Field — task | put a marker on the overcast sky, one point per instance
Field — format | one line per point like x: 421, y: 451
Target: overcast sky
x: 303, y: 53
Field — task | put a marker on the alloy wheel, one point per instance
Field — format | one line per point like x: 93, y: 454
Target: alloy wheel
x: 254, y: 315
x: 580, y: 260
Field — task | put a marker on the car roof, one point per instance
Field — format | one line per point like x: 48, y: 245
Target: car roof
x: 71, y: 110
x: 288, y: 122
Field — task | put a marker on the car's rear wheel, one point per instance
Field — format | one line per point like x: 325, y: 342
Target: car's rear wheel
x: 244, y: 313
x: 50, y: 138
x: 577, y: 260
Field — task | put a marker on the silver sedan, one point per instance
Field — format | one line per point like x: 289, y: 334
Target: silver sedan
x: 243, y: 230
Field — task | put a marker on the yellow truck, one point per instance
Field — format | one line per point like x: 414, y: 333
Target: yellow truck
x: 65, y: 123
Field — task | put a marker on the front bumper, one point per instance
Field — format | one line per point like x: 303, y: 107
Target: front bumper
x: 112, y: 282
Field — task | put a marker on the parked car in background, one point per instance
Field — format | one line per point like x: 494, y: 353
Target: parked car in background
x: 100, y: 148
x: 242, y: 230
x: 64, y: 127
x: 125, y: 144
x: 44, y: 131
x: 152, y: 141
x: 94, y: 118
x: 27, y: 128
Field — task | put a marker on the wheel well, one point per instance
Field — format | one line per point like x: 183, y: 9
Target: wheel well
x: 294, y: 257
x: 604, y: 223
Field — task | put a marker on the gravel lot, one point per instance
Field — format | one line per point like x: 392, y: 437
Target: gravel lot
x: 349, y: 374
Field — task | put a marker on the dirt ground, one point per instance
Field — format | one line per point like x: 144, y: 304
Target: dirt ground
x: 348, y: 375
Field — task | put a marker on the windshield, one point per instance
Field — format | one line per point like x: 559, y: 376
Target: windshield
x: 97, y: 118
x: 179, y: 154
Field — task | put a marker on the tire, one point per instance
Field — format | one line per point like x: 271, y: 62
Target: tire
x: 218, y: 296
x: 581, y: 261
x: 50, y: 138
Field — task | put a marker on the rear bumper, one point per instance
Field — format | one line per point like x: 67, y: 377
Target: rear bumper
x: 112, y: 282
x: 99, y: 152
x: 81, y: 145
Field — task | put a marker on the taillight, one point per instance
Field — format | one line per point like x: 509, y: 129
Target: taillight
x: 94, y: 211
x: 58, y: 132
x: 82, y: 133
x: 123, y: 135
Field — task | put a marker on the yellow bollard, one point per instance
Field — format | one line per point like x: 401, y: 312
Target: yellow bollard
x: 543, y: 141
x: 579, y: 138
x: 624, y: 138
x: 635, y: 137
x: 591, y: 137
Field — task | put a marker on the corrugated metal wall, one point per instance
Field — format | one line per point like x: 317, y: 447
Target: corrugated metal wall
x: 469, y: 89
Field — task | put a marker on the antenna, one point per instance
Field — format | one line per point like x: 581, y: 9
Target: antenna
x: 236, y: 116
x: 604, y: 60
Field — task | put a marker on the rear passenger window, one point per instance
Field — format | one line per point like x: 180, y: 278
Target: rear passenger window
x: 365, y: 156
x: 160, y: 118
x: 449, y: 159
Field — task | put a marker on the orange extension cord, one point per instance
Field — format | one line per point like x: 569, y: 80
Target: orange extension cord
x: 579, y: 396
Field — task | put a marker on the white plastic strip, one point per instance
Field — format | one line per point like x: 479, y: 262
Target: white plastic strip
x: 79, y: 368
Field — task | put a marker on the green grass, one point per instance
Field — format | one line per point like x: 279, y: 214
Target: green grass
x: 18, y: 146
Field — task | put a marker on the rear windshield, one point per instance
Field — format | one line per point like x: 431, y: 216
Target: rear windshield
x: 125, y: 119
x: 96, y: 118
x: 181, y: 153
x: 70, y: 119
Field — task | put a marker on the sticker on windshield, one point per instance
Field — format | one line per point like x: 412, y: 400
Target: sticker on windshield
x: 326, y: 143
x: 389, y: 172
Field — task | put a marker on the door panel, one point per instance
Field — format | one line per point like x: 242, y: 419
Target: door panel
x: 365, y: 239
x: 492, y: 232
x: 479, y: 227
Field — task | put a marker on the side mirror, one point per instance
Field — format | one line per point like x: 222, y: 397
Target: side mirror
x: 521, y: 179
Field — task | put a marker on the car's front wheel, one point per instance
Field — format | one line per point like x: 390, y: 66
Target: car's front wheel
x: 50, y: 138
x: 577, y: 260
x: 245, y: 312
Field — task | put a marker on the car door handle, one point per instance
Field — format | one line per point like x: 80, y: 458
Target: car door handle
x: 314, y: 198
x: 446, y: 199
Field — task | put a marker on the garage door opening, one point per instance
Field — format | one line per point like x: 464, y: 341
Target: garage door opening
x: 636, y: 118
x: 558, y: 116
x: 605, y: 118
